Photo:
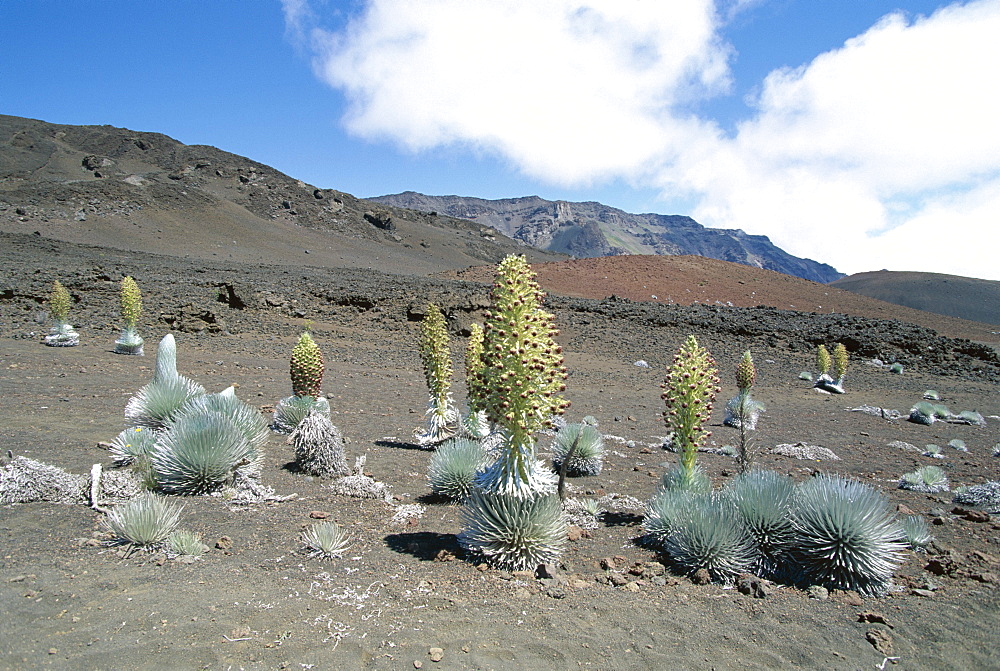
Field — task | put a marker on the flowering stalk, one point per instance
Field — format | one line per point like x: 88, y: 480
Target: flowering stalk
x: 474, y: 361
x: 131, y: 302
x: 823, y: 360
x: 743, y: 410
x: 839, y: 363
x: 435, y: 354
x: 521, y: 377
x: 62, y: 334
x: 689, y: 390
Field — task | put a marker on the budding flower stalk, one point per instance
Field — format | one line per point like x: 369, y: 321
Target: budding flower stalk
x: 306, y: 367
x: 839, y: 362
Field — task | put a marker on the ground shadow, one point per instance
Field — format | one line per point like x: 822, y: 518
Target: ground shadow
x: 621, y: 519
x: 424, y: 545
x: 400, y: 445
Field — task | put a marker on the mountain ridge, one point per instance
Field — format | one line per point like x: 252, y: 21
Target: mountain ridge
x: 591, y: 229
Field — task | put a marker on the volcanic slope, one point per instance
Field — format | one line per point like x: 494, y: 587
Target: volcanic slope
x: 138, y: 191
x: 952, y: 295
x: 689, y: 280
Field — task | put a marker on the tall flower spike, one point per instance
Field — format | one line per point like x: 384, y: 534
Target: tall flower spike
x: 689, y: 390
x: 474, y: 361
x: 823, y: 360
x: 131, y: 301
x: 62, y: 334
x: 59, y: 302
x: 521, y: 378
x: 306, y: 367
x: 839, y: 361
x: 435, y: 354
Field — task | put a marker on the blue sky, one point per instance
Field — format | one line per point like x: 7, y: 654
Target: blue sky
x: 861, y: 134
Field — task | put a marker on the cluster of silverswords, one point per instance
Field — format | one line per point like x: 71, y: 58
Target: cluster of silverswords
x: 830, y: 531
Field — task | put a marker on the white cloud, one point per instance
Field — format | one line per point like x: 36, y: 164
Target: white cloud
x: 872, y: 155
x: 851, y: 158
x: 570, y: 92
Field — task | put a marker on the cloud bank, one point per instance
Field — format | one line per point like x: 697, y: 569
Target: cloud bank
x: 882, y: 153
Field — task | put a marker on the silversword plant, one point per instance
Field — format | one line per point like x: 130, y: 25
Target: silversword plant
x: 62, y: 334
x: 129, y: 342
x: 443, y: 420
x: 306, y: 368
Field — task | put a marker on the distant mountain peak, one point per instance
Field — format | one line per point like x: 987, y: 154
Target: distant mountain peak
x: 591, y: 229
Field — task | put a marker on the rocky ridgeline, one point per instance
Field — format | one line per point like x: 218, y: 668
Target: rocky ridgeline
x: 592, y: 229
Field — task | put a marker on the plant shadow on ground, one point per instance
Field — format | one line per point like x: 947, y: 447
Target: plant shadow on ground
x: 400, y: 445
x: 621, y: 519
x: 424, y: 545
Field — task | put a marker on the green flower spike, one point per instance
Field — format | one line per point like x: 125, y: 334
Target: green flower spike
x: 62, y: 334
x: 443, y: 420
x: 435, y: 354
x: 823, y: 360
x: 475, y: 422
x: 306, y: 367
x: 839, y: 362
x: 59, y: 302
x: 520, y: 380
x: 131, y: 300
x: 689, y: 390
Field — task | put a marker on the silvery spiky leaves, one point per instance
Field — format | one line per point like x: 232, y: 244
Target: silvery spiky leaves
x: 453, y: 467
x: 131, y: 444
x: 763, y: 501
x: 513, y: 533
x: 686, y: 479
x: 584, y: 513
x: 290, y: 411
x: 928, y: 479
x: 742, y: 411
x: 244, y: 417
x: 520, y: 380
x: 200, y: 453
x: 688, y: 391
x: 587, y: 446
x: 131, y: 303
x: 325, y: 539
x: 146, y: 521
x: 708, y: 534
x: 916, y: 532
x: 664, y: 510
x: 846, y: 536
x: 443, y: 420
x: 183, y: 543
x: 319, y: 447
x: 62, y: 334
x: 155, y: 404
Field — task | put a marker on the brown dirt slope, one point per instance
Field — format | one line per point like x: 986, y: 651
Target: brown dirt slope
x: 963, y: 297
x: 688, y: 280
